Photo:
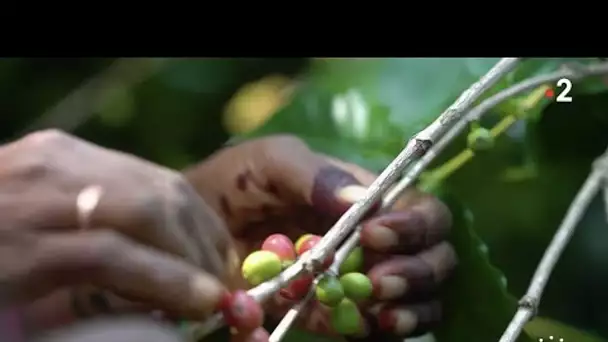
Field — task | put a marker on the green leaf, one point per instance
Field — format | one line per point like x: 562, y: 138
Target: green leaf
x: 201, y: 76
x: 414, y: 90
x: 476, y: 303
x: 117, y: 106
x: 310, y: 116
x: 543, y: 328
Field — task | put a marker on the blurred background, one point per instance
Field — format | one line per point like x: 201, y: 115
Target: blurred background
x: 177, y: 111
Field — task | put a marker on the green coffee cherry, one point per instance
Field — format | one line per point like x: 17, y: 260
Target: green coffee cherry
x: 356, y: 286
x: 329, y: 291
x: 260, y: 266
x: 353, y: 262
x: 346, y: 318
x: 480, y: 139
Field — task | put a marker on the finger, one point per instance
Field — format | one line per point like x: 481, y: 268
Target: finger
x: 109, y: 260
x: 47, y: 209
x: 65, y: 306
x: 214, y: 249
x: 310, y: 178
x: 40, y: 210
x: 407, y: 276
x: 408, y: 320
x: 258, y: 335
x: 90, y: 301
x: 420, y: 225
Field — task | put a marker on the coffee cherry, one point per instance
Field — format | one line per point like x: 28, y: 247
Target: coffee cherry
x: 298, y: 288
x: 356, y: 286
x: 353, y: 262
x: 260, y: 266
x: 329, y: 291
x: 301, y: 240
x: 242, y: 312
x: 280, y: 245
x: 258, y: 335
x: 480, y: 139
x: 308, y: 243
x: 346, y: 318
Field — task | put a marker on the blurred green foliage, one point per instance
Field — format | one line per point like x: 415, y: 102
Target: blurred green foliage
x: 363, y: 110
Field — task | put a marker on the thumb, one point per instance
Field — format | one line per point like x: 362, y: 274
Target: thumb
x: 326, y: 184
x: 246, y: 182
x: 109, y: 260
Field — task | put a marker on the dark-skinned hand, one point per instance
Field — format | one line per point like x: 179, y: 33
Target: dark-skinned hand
x: 151, y: 239
x: 278, y: 185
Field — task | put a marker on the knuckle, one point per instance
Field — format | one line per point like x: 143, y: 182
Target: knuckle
x: 150, y: 210
x: 284, y: 142
x: 34, y: 166
x: 47, y: 137
x: 182, y: 187
x: 105, y: 247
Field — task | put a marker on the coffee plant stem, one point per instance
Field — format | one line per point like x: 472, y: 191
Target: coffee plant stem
x: 290, y: 317
x: 434, y: 177
x: 474, y: 115
x: 503, y: 125
x: 415, y: 148
x: 528, y: 305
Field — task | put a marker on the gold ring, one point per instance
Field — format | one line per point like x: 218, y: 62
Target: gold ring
x: 86, y: 202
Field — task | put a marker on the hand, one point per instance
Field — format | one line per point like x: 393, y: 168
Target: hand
x: 278, y: 185
x: 150, y: 239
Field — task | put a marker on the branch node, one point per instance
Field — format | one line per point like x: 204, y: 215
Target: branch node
x: 423, y: 145
x: 529, y: 303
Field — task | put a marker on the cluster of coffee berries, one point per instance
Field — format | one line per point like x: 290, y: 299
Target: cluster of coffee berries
x: 339, y: 292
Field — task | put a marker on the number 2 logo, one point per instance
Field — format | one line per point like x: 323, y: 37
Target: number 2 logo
x: 563, y: 95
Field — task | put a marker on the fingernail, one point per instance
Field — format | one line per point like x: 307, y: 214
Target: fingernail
x: 351, y: 193
x: 405, y: 322
x: 206, y: 294
x: 381, y: 237
x: 391, y: 287
x: 399, y: 322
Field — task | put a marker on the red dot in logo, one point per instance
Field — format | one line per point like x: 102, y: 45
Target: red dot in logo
x: 549, y: 93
